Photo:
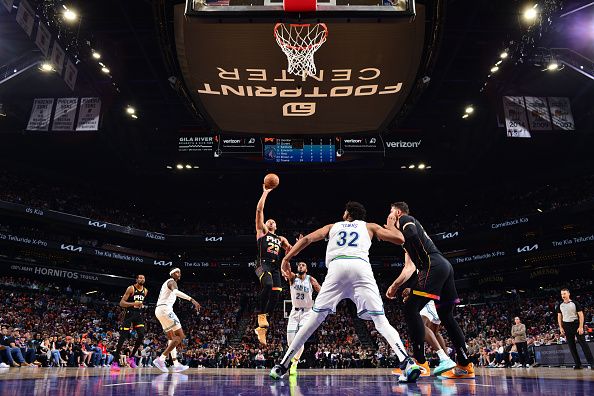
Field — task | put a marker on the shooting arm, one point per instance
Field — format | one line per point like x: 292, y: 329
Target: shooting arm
x: 260, y: 226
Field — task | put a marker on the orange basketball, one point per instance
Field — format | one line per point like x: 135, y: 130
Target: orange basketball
x: 271, y: 180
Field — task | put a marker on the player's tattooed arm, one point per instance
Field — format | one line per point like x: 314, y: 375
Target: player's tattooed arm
x: 285, y: 244
x: 316, y: 286
x: 407, y: 271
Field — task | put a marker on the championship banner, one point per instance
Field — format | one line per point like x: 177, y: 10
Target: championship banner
x: 43, y: 38
x: 561, y: 113
x: 41, y: 114
x: 57, y: 57
x: 515, y: 117
x: 65, y: 114
x: 88, y: 116
x: 25, y: 17
x: 539, y: 118
x: 70, y: 74
x: 8, y: 5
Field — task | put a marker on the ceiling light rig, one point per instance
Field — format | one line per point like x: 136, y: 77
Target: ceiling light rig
x: 68, y: 25
x: 535, y: 20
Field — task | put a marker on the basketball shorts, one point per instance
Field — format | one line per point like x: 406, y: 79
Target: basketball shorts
x: 430, y: 312
x: 272, y: 268
x: 350, y: 278
x: 132, y: 320
x: 437, y: 281
x: 297, y: 319
x: 167, y: 318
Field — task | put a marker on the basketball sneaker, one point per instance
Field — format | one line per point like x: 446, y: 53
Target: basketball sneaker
x: 261, y: 333
x: 132, y: 362
x: 459, y: 372
x: 425, y: 370
x: 410, y: 371
x: 262, y: 320
x: 160, y: 364
x: 293, y: 368
x: 444, y: 365
x: 278, y: 372
x: 178, y: 367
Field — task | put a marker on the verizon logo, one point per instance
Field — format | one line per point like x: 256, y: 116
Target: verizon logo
x: 403, y: 144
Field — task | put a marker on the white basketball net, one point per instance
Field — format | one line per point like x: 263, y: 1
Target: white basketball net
x: 299, y: 43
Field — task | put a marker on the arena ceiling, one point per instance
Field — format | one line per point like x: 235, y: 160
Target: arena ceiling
x: 474, y: 34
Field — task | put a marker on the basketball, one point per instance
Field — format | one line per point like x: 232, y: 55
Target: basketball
x: 271, y: 181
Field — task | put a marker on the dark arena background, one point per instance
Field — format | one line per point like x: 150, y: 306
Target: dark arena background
x: 134, y: 140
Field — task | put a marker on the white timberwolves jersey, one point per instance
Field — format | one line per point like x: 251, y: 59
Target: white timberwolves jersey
x: 166, y: 296
x: 302, y: 293
x: 348, y: 239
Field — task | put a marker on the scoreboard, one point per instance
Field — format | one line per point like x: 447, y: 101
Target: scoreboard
x: 301, y: 150
x: 283, y: 150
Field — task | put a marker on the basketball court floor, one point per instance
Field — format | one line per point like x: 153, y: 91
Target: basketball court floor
x: 368, y: 382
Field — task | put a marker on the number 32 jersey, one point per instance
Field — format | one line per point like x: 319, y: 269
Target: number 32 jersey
x: 348, y: 240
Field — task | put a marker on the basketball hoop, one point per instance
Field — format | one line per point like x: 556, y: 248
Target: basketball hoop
x: 299, y: 42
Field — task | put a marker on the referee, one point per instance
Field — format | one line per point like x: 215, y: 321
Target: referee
x: 570, y: 316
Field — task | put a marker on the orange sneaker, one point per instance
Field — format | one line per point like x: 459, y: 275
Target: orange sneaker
x: 425, y: 370
x: 459, y: 372
x: 261, y: 333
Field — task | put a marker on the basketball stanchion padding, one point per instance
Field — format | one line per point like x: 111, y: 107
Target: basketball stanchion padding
x: 300, y: 5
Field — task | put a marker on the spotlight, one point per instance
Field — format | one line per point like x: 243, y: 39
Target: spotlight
x: 428, y: 167
x: 179, y: 166
x: 465, y: 116
x: 169, y: 167
x: 130, y: 110
x: 96, y: 55
x: 530, y: 14
x: 46, y: 67
x: 498, y: 63
x: 411, y: 166
x: 188, y: 166
x: 553, y: 66
x: 134, y: 116
x: 539, y: 209
x: 469, y: 110
x: 403, y: 167
x: 105, y: 70
x: 503, y: 55
x: 421, y: 166
x: 196, y: 167
x: 494, y: 69
x: 70, y: 15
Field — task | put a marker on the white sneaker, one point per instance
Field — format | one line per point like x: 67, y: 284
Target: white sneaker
x: 4, y: 365
x: 178, y: 367
x: 160, y: 364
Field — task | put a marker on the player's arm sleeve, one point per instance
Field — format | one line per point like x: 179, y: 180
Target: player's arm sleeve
x: 181, y: 294
x: 411, y: 235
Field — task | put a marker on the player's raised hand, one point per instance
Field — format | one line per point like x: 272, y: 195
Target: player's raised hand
x: 390, y: 222
x: 266, y: 190
x: 286, y: 268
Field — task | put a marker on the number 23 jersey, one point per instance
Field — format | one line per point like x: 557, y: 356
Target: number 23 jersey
x: 348, y: 240
x: 269, y: 248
